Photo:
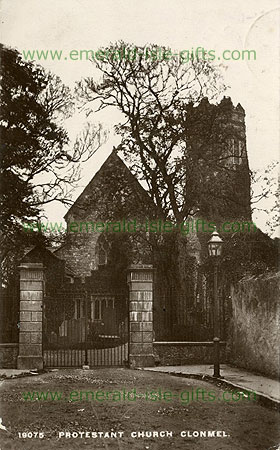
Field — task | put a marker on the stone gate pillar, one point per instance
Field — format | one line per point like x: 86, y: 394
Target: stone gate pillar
x: 140, y: 281
x: 31, y: 307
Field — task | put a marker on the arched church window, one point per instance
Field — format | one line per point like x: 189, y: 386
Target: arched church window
x: 236, y: 151
x: 102, y: 248
x: 102, y: 257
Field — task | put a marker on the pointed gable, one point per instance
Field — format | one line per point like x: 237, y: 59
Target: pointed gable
x: 113, y: 193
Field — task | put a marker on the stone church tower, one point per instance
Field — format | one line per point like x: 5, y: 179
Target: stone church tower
x: 217, y: 136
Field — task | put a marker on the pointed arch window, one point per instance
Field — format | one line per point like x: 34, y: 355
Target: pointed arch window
x: 236, y: 151
x: 102, y: 248
x: 102, y: 257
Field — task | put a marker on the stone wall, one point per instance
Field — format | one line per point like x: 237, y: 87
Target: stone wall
x: 184, y: 353
x: 80, y: 252
x: 8, y: 356
x: 253, y: 341
x: 113, y: 196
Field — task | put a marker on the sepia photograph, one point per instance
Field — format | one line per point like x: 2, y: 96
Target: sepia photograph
x: 139, y: 224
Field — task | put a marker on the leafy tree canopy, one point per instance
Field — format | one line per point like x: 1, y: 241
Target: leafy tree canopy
x: 38, y: 166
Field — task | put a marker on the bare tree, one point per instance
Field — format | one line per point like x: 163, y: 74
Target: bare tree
x: 152, y: 95
x: 266, y: 194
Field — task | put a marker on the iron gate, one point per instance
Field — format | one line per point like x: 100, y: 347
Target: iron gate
x: 83, y: 328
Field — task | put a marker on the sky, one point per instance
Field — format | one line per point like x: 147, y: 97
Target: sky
x: 180, y: 24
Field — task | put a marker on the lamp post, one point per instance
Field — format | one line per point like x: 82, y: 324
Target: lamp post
x: 86, y: 332
x: 215, y: 250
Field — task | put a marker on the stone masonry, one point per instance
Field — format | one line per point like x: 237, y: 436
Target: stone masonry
x: 31, y: 307
x: 140, y: 281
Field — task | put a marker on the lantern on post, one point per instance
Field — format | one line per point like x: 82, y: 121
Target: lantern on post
x: 215, y: 245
